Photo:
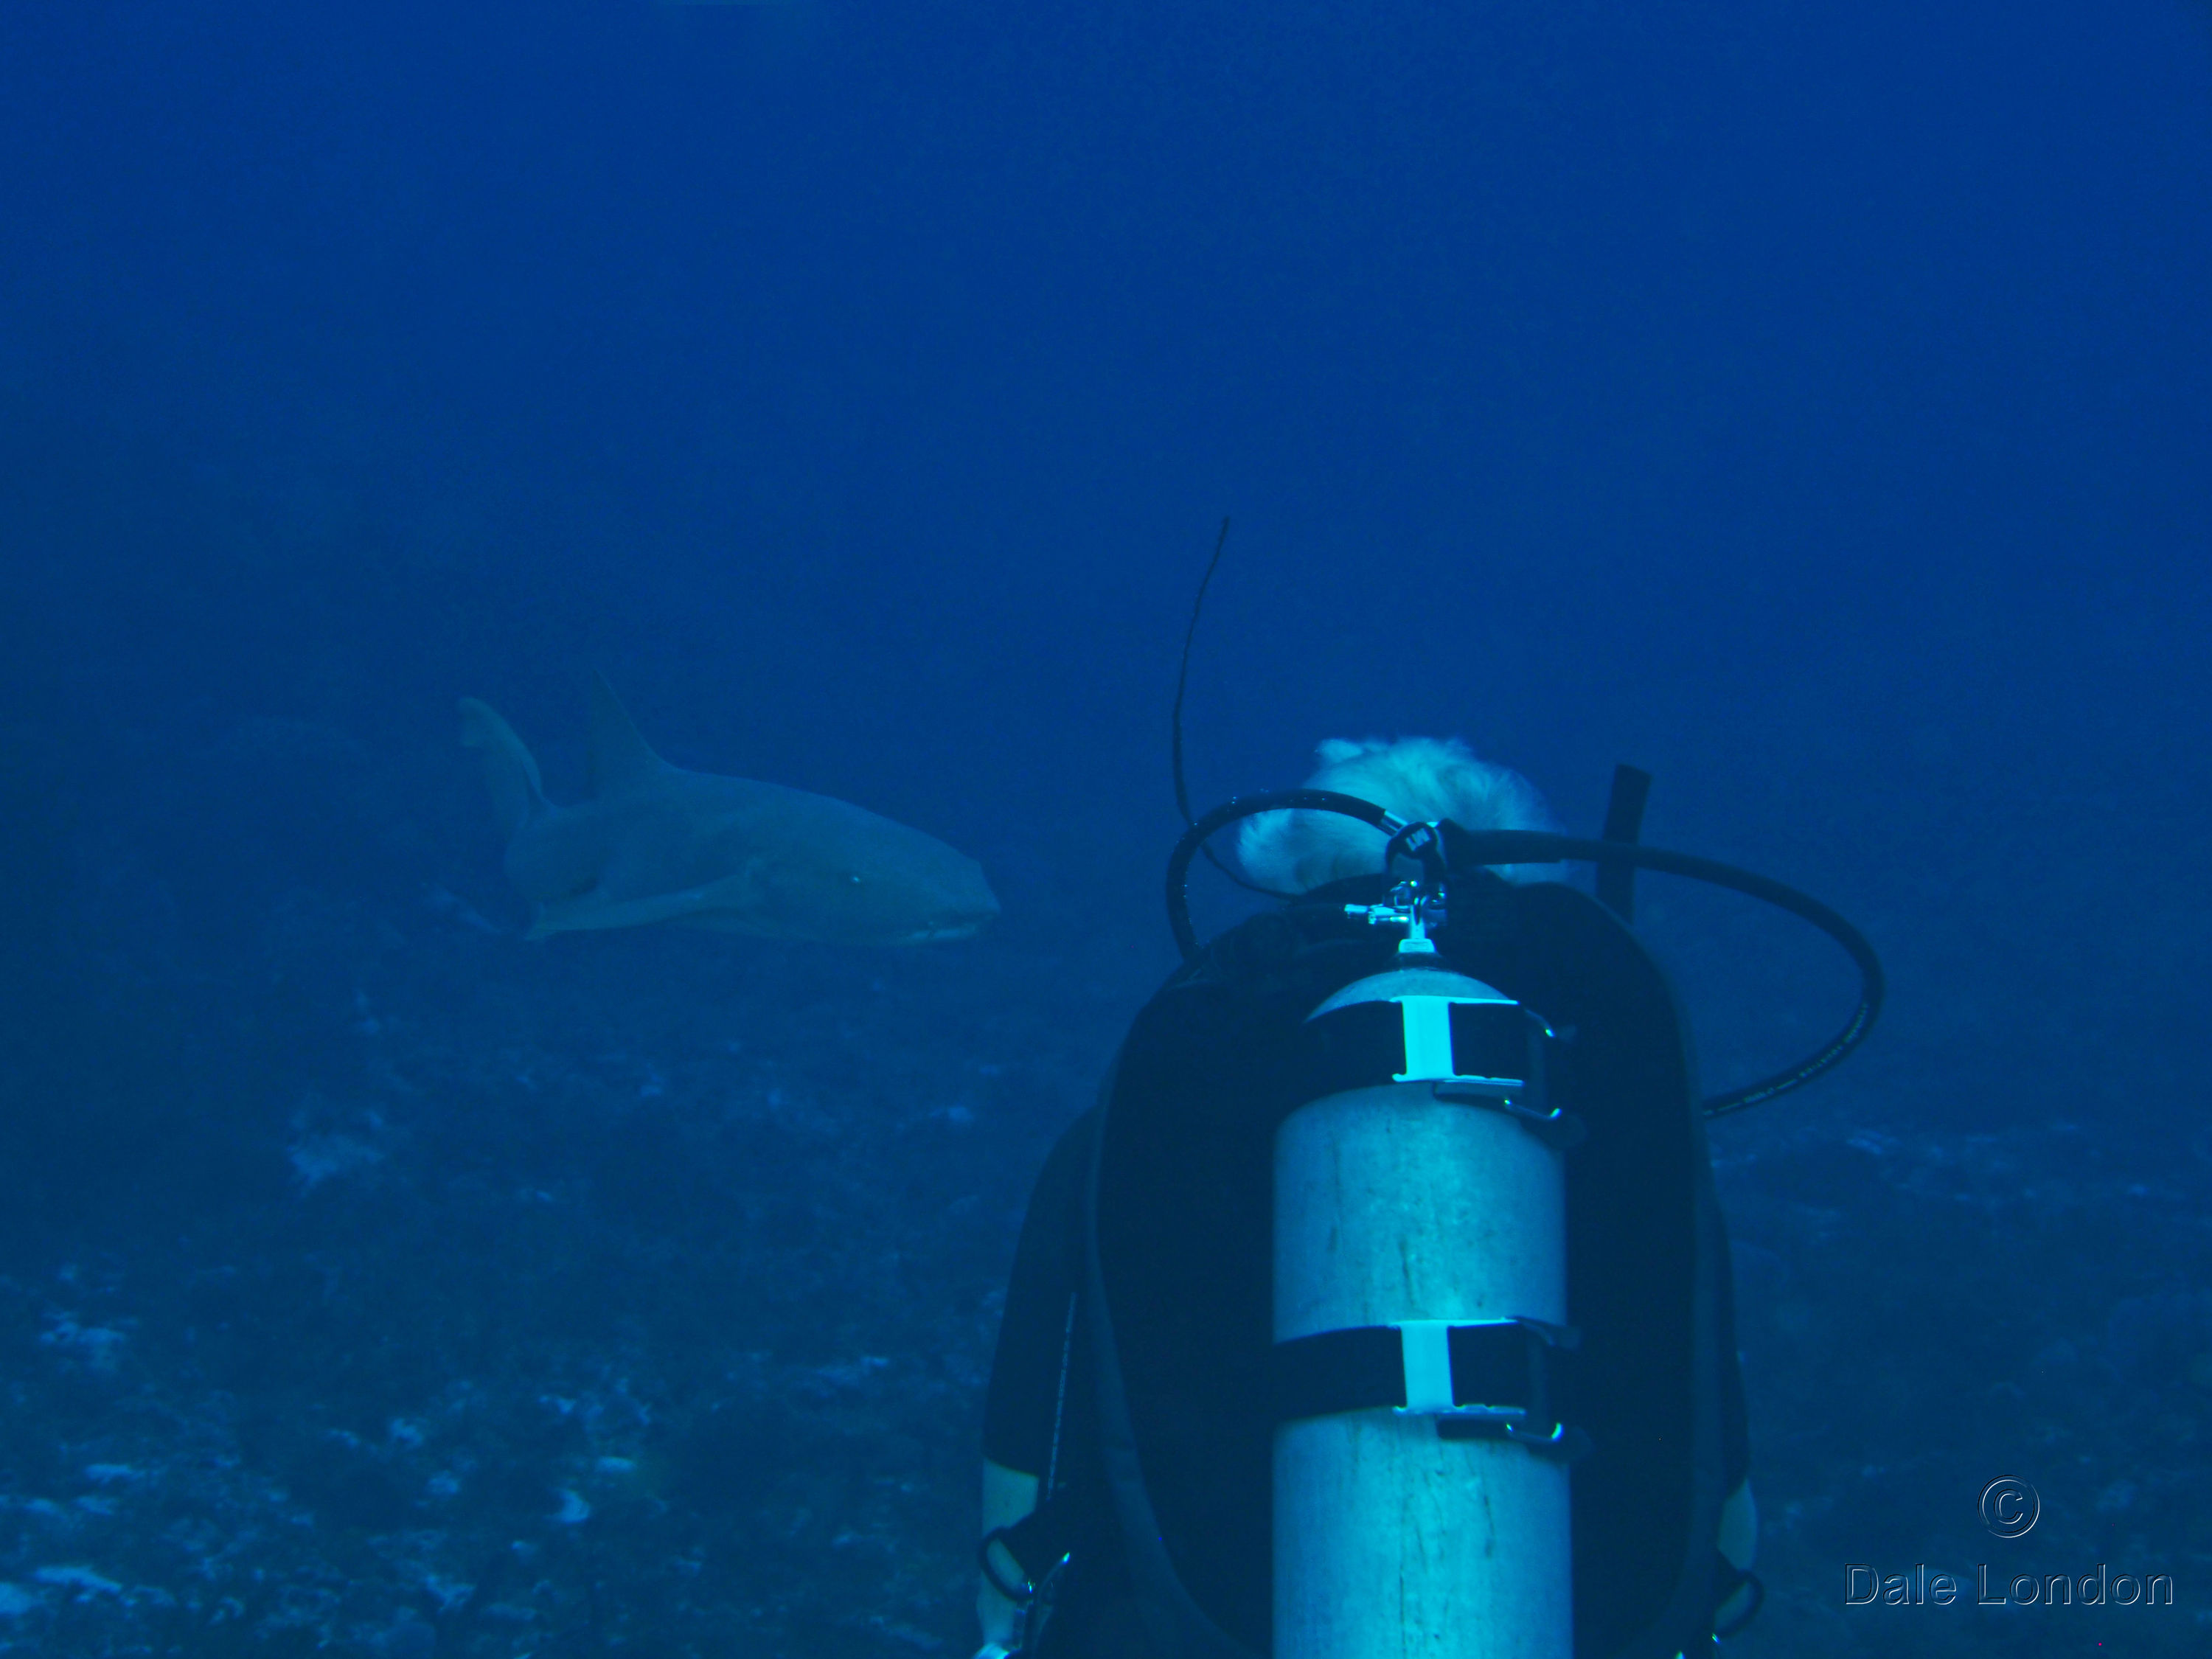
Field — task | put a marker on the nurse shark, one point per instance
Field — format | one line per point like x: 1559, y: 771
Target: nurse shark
x: 655, y: 843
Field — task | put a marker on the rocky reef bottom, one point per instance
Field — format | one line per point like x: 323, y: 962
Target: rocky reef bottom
x: 414, y: 1291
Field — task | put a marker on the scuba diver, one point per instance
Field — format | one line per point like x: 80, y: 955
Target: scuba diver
x: 1381, y: 1305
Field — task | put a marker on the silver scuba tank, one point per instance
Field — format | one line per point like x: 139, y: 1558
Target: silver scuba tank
x: 1420, y: 1478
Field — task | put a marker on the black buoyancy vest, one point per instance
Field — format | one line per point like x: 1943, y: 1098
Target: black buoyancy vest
x: 1178, y: 1264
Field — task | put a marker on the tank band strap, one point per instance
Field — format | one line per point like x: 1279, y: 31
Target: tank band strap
x: 1498, y: 1378
x: 1476, y: 1046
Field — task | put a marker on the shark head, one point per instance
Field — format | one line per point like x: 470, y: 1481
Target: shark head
x: 658, y: 843
x: 957, y: 904
x: 924, y: 893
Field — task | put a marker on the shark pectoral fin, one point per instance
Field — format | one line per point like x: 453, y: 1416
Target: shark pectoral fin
x: 576, y: 915
x: 734, y: 903
x: 621, y: 759
x: 517, y: 793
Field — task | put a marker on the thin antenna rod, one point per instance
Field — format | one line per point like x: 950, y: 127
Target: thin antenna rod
x: 1182, y: 680
x: 1183, y: 673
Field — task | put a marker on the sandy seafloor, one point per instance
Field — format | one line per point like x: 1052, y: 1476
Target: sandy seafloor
x: 448, y: 1294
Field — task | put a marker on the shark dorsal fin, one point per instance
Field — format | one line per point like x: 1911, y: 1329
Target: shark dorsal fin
x: 517, y: 795
x: 621, y: 759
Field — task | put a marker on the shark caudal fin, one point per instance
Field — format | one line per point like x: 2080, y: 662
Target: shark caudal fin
x: 517, y: 795
x: 621, y: 759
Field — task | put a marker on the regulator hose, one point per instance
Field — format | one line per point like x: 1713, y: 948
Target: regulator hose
x: 1470, y: 848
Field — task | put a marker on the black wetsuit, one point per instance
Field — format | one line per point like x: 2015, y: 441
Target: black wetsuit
x: 1034, y: 1379
x: 1041, y: 1415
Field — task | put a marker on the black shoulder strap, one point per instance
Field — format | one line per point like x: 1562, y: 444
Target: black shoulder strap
x: 1177, y: 1627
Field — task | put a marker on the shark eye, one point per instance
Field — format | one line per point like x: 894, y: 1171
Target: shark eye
x: 583, y: 887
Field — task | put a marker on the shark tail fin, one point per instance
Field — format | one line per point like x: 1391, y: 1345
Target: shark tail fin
x: 620, y: 757
x: 517, y: 793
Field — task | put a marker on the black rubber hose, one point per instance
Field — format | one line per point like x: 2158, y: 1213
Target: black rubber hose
x: 1246, y: 806
x: 1493, y: 847
x: 1490, y: 846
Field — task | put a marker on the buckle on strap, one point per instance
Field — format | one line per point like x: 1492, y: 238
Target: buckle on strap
x: 1036, y: 1548
x: 1478, y: 1380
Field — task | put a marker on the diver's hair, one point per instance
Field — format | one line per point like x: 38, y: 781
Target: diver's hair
x: 1416, y: 778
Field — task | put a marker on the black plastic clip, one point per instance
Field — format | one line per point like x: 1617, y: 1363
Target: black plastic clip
x: 1738, y: 1593
x: 1020, y: 1595
x: 1040, y: 1535
x: 1424, y: 843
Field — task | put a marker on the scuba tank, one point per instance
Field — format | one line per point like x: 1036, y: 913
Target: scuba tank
x: 1421, y: 1500
x: 1433, y: 1398
x: 1402, y: 1299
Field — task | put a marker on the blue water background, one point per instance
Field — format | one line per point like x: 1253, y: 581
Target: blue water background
x: 1807, y: 403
